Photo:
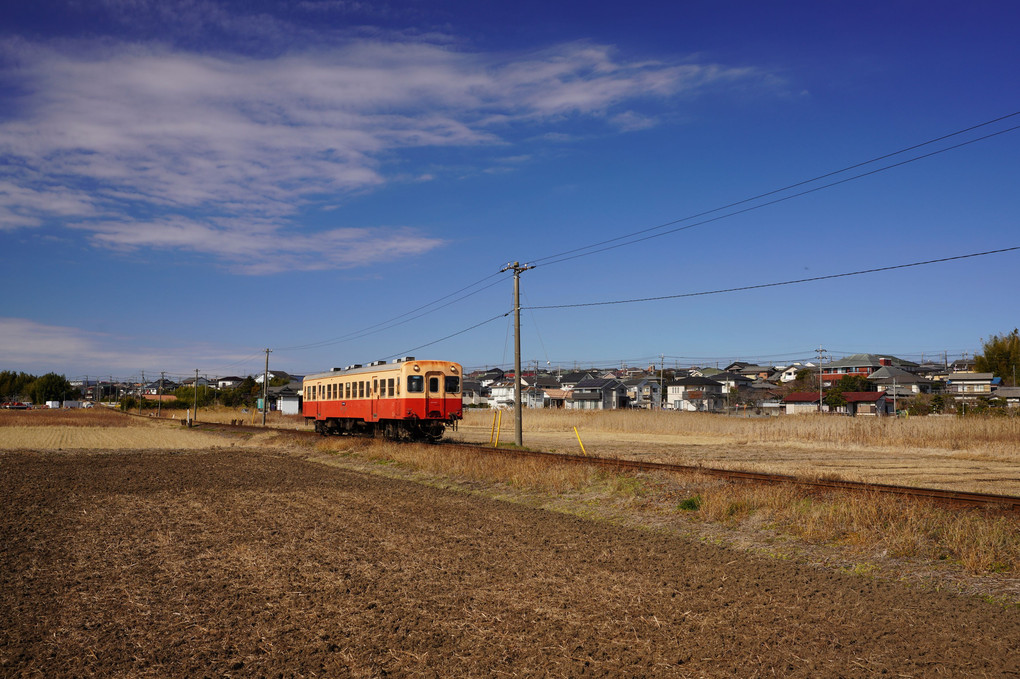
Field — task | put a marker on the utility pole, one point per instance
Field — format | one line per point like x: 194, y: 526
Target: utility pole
x: 518, y: 412
x: 195, y: 417
x: 662, y: 369
x: 141, y: 393
x: 265, y: 388
x: 159, y: 404
x: 820, y: 351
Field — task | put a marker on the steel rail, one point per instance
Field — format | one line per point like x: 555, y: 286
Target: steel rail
x: 954, y: 497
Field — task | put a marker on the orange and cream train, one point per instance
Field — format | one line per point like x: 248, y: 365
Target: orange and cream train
x: 402, y: 399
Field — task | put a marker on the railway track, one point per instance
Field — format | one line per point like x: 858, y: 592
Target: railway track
x: 1006, y: 503
x: 951, y: 497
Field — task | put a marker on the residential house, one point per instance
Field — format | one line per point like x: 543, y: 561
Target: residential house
x: 695, y: 394
x: 861, y: 365
x: 789, y: 373
x: 968, y: 387
x: 900, y: 383
x: 228, y: 382
x: 865, y: 403
x: 594, y: 393
x: 286, y: 399
x: 732, y: 382
x: 473, y: 394
x: 801, y: 402
x: 488, y: 377
x: 1011, y: 395
x: 569, y: 380
x: 750, y: 370
x: 535, y: 394
x: 501, y: 394
x: 643, y: 392
x: 273, y: 374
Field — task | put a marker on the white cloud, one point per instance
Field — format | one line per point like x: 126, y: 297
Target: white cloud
x: 262, y: 248
x: 37, y: 348
x: 105, y: 132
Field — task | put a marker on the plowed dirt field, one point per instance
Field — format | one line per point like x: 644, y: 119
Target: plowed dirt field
x: 245, y: 563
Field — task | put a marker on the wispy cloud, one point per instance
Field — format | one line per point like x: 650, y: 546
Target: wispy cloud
x: 39, y: 347
x: 151, y: 146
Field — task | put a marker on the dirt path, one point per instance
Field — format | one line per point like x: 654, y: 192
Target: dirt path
x: 255, y: 564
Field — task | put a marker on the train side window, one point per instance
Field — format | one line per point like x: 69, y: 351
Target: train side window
x: 390, y: 385
x: 415, y: 384
x: 361, y: 390
x: 375, y: 386
x: 347, y: 390
x: 452, y: 385
x: 433, y: 385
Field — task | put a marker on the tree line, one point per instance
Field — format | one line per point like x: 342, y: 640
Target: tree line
x: 20, y: 386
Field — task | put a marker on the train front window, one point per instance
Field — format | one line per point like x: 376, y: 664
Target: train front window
x: 452, y: 385
x: 415, y: 384
x: 433, y: 385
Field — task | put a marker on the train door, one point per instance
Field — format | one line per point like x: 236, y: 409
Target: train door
x: 435, y: 395
x: 375, y: 399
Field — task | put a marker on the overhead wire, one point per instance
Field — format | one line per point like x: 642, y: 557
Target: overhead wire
x: 631, y: 238
x: 776, y: 284
x: 459, y: 332
x: 401, y: 319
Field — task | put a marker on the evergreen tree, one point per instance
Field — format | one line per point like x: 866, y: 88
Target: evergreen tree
x: 1000, y: 356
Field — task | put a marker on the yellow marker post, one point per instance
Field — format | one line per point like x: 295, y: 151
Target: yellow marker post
x: 579, y: 442
x: 498, y: 428
x: 492, y: 434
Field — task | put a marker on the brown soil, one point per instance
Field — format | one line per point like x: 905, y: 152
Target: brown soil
x: 244, y: 563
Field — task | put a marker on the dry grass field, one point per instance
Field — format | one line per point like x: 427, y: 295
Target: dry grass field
x: 972, y: 454
x: 95, y: 429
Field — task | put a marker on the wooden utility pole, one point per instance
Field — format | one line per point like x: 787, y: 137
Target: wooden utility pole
x: 820, y: 352
x: 195, y: 417
x: 518, y: 410
x: 265, y: 388
x: 159, y: 403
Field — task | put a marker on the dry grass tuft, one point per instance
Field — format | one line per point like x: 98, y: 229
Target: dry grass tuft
x: 526, y: 474
x: 980, y: 542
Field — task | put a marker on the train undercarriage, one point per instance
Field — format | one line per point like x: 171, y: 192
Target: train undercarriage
x: 394, y: 430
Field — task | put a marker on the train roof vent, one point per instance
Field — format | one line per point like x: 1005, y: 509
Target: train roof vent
x: 403, y: 359
x: 356, y: 365
x: 375, y: 363
x: 336, y: 370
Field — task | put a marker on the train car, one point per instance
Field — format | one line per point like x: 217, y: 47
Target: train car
x: 406, y: 398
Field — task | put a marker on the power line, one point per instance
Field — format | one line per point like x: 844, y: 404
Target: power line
x: 459, y: 332
x: 773, y: 285
x: 388, y: 324
x: 631, y: 238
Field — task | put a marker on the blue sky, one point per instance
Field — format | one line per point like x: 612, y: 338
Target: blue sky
x: 183, y: 184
